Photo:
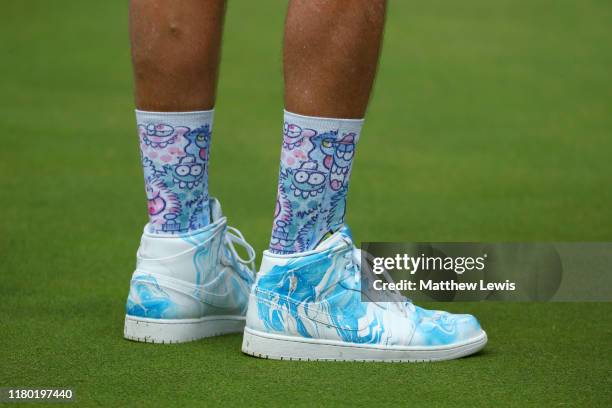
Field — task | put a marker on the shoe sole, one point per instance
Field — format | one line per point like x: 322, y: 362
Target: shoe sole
x: 278, y: 347
x: 166, y: 331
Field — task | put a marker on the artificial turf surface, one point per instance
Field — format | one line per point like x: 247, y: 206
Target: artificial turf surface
x: 491, y: 121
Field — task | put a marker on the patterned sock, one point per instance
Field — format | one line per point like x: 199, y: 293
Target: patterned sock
x: 314, y: 175
x: 174, y: 151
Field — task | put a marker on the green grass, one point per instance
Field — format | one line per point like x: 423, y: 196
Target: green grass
x: 491, y: 121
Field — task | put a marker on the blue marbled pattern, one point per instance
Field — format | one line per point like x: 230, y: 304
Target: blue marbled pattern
x: 148, y: 299
x: 321, y: 292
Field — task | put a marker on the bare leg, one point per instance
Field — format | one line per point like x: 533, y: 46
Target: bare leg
x: 175, y: 53
x: 331, y: 54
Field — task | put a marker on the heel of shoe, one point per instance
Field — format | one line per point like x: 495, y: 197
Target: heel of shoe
x: 166, y: 331
x: 155, y: 296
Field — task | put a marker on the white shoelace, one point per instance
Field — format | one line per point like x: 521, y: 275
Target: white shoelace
x: 396, y: 296
x: 234, y: 236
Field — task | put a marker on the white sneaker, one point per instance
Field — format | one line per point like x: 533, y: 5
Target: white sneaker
x: 190, y: 286
x: 308, y: 306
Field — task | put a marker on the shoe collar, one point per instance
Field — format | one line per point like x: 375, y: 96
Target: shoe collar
x: 338, y: 241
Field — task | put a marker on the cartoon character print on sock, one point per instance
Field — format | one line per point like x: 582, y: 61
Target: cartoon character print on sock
x: 297, y: 205
x: 199, y: 143
x: 175, y: 163
x: 294, y: 135
x: 300, y: 183
x: 313, y: 182
x: 338, y: 151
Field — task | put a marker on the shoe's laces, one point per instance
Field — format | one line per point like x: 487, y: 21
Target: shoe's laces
x: 354, y: 258
x: 234, y: 236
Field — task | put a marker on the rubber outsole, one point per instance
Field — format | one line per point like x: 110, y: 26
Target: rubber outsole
x: 168, y: 331
x: 278, y: 347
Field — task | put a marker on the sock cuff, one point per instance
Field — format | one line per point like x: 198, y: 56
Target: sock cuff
x: 322, y: 124
x: 190, y: 119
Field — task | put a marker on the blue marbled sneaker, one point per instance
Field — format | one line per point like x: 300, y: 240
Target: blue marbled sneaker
x: 308, y: 306
x: 190, y: 286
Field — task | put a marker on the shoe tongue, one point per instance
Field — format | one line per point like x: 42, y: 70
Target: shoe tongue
x: 342, y: 235
x: 215, y: 209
